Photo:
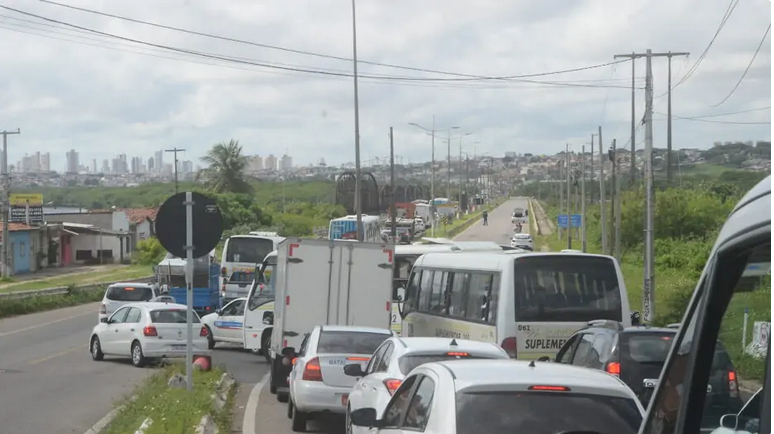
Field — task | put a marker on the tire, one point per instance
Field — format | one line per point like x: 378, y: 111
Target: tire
x: 298, y: 419
x: 138, y: 358
x: 283, y: 397
x: 348, y: 421
x: 210, y: 338
x: 96, y: 349
x: 265, y: 342
x: 272, y: 380
x: 290, y: 409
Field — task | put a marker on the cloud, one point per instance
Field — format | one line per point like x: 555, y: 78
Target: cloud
x: 71, y: 89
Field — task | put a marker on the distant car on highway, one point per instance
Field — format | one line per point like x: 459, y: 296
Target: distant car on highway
x: 522, y: 241
x: 144, y: 331
x: 317, y: 381
x: 396, y: 357
x: 505, y: 397
x: 120, y: 294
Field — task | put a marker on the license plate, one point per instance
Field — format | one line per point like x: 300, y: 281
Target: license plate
x: 650, y: 383
x: 344, y: 399
x: 178, y: 347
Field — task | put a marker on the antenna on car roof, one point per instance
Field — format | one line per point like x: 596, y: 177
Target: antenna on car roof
x: 531, y: 363
x: 453, y: 342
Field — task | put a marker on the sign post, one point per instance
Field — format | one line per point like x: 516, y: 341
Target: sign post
x: 202, y: 212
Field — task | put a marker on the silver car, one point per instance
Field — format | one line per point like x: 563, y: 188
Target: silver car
x: 317, y: 381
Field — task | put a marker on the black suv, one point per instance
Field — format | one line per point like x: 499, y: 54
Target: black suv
x: 637, y: 354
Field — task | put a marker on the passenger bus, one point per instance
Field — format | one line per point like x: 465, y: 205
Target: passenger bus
x: 528, y: 303
x: 241, y: 255
x: 406, y: 255
x: 345, y: 228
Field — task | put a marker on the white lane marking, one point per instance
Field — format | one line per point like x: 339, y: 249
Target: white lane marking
x: 104, y: 422
x: 251, y: 409
x: 45, y: 324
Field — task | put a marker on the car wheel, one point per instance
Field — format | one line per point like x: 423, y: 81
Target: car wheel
x: 210, y: 338
x: 265, y: 347
x: 138, y: 358
x: 298, y: 420
x: 96, y: 349
x: 348, y: 421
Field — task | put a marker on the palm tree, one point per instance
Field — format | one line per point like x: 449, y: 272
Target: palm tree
x: 225, y: 170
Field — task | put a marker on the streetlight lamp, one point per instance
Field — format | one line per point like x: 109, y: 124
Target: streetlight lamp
x: 358, y: 195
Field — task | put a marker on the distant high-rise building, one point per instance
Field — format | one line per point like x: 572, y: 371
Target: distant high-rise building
x: 105, y: 166
x: 45, y: 162
x: 158, y: 162
x: 136, y: 165
x: 285, y: 163
x: 94, y: 165
x: 72, y: 164
x: 187, y: 166
x: 151, y: 165
x: 270, y: 162
x: 254, y: 163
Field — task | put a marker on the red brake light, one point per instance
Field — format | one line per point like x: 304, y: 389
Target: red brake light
x: 203, y: 332
x: 293, y: 362
x: 312, y: 370
x: 102, y: 309
x: 733, y: 387
x: 358, y: 359
x: 509, y: 345
x: 458, y: 354
x: 150, y: 331
x: 392, y: 385
x: 550, y: 388
x: 613, y: 368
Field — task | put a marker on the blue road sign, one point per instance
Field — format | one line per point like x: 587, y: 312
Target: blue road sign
x: 575, y: 221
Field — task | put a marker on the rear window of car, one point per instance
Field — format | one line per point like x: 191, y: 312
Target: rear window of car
x: 171, y: 316
x: 647, y: 347
x: 129, y: 293
x: 536, y: 413
x: 408, y: 362
x: 349, y: 342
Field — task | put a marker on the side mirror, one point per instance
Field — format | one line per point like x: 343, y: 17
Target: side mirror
x: 729, y: 421
x: 289, y: 352
x: 218, y: 311
x: 635, y: 317
x: 354, y: 370
x: 103, y: 320
x: 365, y: 417
x: 544, y: 359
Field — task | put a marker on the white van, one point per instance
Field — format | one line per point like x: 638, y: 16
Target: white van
x: 528, y: 303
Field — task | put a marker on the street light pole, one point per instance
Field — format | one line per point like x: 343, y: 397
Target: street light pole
x: 358, y: 193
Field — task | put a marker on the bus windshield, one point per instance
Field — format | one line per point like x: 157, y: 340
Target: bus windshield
x: 566, y: 288
x: 249, y: 250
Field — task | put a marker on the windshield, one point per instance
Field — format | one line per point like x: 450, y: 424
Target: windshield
x: 263, y: 291
x: 566, y: 288
x: 349, y: 342
x: 171, y: 316
x: 250, y: 250
x: 129, y: 293
x: 538, y: 413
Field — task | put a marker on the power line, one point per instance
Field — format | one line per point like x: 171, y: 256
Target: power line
x: 727, y: 113
x: 763, y: 39
x: 328, y: 56
x: 715, y: 121
x: 309, y: 70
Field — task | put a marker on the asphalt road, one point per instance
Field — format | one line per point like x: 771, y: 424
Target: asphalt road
x: 271, y: 415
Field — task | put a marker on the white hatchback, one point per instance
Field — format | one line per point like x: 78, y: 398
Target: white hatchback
x: 145, y: 331
x: 506, y: 397
x: 396, y: 357
x: 317, y: 381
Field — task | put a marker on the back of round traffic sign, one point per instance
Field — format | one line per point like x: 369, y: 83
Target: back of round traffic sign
x: 207, y: 225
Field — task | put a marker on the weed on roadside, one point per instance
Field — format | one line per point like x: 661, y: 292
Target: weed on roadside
x: 40, y: 303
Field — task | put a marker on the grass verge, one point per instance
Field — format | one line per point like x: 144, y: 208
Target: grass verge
x: 112, y: 275
x: 674, y: 289
x: 172, y: 410
x: 75, y: 297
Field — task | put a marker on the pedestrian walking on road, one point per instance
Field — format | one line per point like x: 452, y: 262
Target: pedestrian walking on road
x: 486, y: 218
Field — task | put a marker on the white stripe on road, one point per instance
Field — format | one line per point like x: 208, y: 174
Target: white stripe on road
x: 251, y: 409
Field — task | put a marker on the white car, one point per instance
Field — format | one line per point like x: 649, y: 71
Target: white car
x: 146, y: 331
x: 506, y: 397
x: 396, y: 357
x: 317, y: 381
x: 120, y: 294
x: 522, y: 241
x: 225, y: 325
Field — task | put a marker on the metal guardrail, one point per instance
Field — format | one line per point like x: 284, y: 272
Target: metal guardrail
x: 62, y: 290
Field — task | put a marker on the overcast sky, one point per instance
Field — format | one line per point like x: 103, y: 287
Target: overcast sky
x: 103, y: 96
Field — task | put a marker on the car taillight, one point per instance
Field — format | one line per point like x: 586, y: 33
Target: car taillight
x: 203, y: 332
x: 312, y: 370
x: 613, y: 368
x: 509, y: 345
x: 103, y: 309
x: 150, y: 331
x: 392, y: 385
x: 457, y: 354
x: 550, y: 388
x: 733, y: 387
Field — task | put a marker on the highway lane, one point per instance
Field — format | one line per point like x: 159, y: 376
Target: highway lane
x: 271, y: 415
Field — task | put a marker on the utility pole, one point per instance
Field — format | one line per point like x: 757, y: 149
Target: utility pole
x: 602, y: 197
x: 633, y: 168
x: 358, y: 193
x: 649, y: 299
x: 617, y: 242
x: 174, y: 151
x: 393, y: 229
x: 591, y: 160
x: 569, y: 197
x: 459, y: 203
x: 561, y: 195
x: 669, y: 116
x: 432, y: 182
x: 613, y: 197
x: 583, y: 196
x: 6, y: 205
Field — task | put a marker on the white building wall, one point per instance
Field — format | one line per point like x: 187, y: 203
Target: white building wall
x: 95, y: 243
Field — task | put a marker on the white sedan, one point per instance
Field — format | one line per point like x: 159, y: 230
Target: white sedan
x: 317, y: 381
x: 396, y: 357
x: 146, y: 331
x: 225, y: 325
x: 522, y: 241
x: 506, y: 397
